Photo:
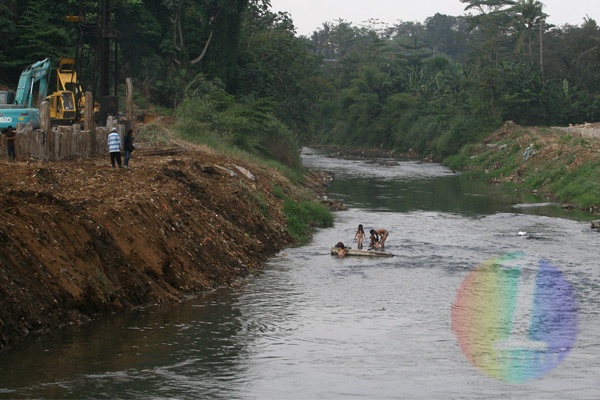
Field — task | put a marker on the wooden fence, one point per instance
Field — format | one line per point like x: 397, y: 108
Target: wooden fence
x: 60, y: 143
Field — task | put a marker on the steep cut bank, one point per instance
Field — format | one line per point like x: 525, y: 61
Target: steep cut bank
x: 80, y: 238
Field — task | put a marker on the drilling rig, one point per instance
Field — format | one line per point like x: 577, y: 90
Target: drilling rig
x: 97, y: 56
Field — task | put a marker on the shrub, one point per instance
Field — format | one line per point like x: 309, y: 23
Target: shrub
x: 303, y: 216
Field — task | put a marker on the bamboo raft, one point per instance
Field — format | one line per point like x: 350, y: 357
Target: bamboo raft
x: 367, y: 253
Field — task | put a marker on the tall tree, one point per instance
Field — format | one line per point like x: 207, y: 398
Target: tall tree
x: 42, y: 32
x: 141, y: 29
x: 7, y: 35
x: 204, y: 37
x: 529, y: 17
x: 493, y: 25
x: 276, y: 65
x: 447, y: 34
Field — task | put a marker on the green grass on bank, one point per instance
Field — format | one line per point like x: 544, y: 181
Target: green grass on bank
x: 579, y: 186
x: 566, y: 169
x: 305, y: 215
x: 302, y: 211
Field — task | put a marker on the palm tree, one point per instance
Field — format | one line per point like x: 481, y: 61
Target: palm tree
x: 530, y: 14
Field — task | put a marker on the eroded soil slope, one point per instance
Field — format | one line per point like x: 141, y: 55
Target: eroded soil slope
x: 79, y: 238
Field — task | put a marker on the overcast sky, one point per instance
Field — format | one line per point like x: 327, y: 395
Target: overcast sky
x: 309, y: 15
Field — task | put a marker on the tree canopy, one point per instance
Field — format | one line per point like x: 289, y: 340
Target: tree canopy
x: 235, y: 72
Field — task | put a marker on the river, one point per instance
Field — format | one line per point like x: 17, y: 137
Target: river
x: 467, y: 309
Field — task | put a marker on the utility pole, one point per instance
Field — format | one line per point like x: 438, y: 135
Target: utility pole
x: 107, y: 42
x: 542, y: 20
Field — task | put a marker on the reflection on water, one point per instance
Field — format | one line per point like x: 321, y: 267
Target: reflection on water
x: 404, y: 186
x: 312, y: 325
x: 157, y: 349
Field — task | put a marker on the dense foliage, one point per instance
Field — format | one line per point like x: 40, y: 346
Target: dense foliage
x: 236, y: 74
x: 430, y: 88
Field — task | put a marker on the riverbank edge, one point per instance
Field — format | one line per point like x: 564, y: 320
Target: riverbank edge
x: 547, y: 162
x: 81, y: 240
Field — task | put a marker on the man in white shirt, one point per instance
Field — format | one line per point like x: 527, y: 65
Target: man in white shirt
x: 114, y: 147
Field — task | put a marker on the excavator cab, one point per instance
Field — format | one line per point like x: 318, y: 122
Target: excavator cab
x: 62, y: 107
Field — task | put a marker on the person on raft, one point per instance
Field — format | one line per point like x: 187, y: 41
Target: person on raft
x: 359, y: 236
x: 378, y: 237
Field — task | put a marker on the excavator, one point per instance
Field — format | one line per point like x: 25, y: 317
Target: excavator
x: 66, y: 103
x: 18, y: 107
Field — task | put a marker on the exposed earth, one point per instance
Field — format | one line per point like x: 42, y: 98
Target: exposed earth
x: 79, y: 238
x: 549, y: 148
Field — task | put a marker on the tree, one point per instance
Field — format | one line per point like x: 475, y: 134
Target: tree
x: 529, y: 14
x: 141, y: 27
x: 493, y: 25
x: 276, y: 65
x: 447, y: 34
x: 42, y: 33
x: 8, y: 31
x: 411, y: 33
x: 205, y: 33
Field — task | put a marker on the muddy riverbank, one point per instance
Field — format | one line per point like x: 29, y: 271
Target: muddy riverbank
x: 79, y: 238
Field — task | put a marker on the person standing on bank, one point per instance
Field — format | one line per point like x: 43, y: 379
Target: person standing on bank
x: 114, y: 147
x: 128, y: 147
x: 11, y: 136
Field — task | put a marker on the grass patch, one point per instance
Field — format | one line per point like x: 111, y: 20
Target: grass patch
x: 564, y: 166
x: 278, y: 192
x: 152, y: 133
x: 303, y: 216
x: 579, y: 186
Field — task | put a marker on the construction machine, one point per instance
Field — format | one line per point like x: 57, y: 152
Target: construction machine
x: 63, y: 109
x: 19, y: 107
x: 67, y: 103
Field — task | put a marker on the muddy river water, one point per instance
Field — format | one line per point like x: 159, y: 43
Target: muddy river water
x: 467, y: 309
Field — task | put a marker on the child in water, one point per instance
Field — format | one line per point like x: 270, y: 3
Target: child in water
x: 374, y: 243
x: 341, y: 249
x: 359, y: 236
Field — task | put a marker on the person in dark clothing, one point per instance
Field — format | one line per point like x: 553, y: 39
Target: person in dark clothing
x: 128, y: 146
x: 374, y: 242
x: 11, y: 136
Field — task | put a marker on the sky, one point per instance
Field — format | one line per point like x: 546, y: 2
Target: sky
x: 309, y: 15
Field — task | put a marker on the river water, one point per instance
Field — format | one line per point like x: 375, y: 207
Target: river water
x: 467, y: 309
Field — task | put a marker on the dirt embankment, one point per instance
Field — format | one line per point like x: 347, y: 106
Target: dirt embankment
x: 542, y: 160
x: 80, y: 238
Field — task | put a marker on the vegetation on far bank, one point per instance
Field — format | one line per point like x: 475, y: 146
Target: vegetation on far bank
x: 240, y: 75
x: 552, y: 163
